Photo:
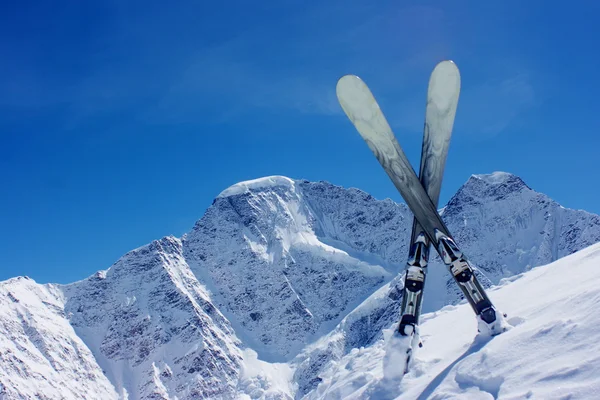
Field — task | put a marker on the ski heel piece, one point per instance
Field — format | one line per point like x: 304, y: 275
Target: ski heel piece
x: 488, y: 315
x: 490, y: 322
x: 407, y: 325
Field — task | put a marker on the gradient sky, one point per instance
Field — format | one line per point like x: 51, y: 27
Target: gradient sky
x: 121, y: 121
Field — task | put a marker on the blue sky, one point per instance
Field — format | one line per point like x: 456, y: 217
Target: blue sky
x: 121, y: 121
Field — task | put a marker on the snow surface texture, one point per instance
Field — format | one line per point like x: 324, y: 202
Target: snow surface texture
x: 279, y: 282
x: 552, y: 352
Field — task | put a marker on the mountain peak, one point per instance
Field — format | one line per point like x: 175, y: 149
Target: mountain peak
x: 495, y: 178
x: 484, y: 188
x: 258, y: 184
x: 496, y: 183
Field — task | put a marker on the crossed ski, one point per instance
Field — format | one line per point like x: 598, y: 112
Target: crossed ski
x: 421, y: 195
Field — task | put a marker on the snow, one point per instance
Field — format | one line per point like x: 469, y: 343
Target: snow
x: 553, y: 351
x: 494, y: 178
x: 257, y: 184
x: 260, y: 379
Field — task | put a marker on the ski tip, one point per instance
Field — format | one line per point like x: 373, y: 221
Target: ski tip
x: 347, y: 81
x: 448, y: 69
x: 445, y: 82
x: 355, y: 97
x: 446, y: 64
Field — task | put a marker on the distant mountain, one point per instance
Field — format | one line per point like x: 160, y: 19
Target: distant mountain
x: 508, y: 228
x: 152, y: 327
x: 274, y: 265
x: 41, y: 356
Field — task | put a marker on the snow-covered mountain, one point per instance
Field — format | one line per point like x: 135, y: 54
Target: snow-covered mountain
x: 507, y: 228
x: 152, y: 327
x: 286, y: 260
x: 277, y: 282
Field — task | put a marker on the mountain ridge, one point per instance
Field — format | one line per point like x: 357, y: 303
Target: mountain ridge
x: 320, y: 250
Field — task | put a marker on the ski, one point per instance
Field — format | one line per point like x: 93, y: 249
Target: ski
x: 362, y: 109
x: 442, y: 100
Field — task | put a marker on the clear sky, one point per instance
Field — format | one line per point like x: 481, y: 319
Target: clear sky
x: 121, y: 121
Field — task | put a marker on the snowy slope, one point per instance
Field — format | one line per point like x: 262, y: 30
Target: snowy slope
x: 552, y: 352
x: 152, y: 327
x: 41, y: 356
